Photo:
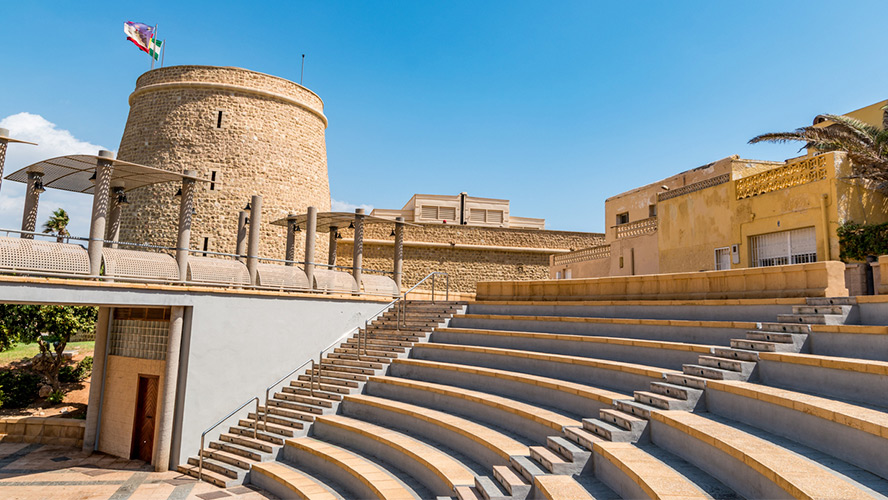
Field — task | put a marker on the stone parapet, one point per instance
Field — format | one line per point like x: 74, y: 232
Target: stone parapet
x: 883, y: 275
x: 818, y: 279
x: 42, y: 430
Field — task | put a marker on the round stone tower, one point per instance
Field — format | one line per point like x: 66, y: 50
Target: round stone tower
x: 247, y: 132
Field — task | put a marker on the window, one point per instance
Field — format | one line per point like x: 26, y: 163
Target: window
x: 722, y: 258
x: 623, y: 218
x: 482, y: 216
x: 652, y: 210
x: 213, y: 175
x: 219, y: 119
x: 434, y: 212
x: 797, y: 246
x: 206, y: 244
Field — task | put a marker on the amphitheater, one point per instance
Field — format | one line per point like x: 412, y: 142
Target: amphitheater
x: 541, y: 395
x: 758, y: 382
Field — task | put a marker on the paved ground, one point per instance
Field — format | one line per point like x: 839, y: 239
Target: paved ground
x: 42, y: 472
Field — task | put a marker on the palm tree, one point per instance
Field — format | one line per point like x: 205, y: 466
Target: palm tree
x: 866, y: 145
x: 57, y: 224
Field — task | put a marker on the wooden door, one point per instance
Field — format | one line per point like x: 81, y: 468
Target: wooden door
x: 146, y: 413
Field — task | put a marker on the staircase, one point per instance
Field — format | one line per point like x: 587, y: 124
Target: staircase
x: 291, y: 411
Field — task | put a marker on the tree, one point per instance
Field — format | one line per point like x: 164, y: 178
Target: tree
x: 57, y: 224
x: 866, y: 145
x: 50, y: 326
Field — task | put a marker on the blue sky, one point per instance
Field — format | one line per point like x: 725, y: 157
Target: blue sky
x: 553, y: 105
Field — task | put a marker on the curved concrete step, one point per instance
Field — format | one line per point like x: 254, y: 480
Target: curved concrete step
x: 481, y: 443
x: 521, y: 418
x: 437, y: 471
x: 363, y: 478
x: 287, y: 482
x: 561, y: 487
x: 632, y: 472
x: 575, y: 397
x: 664, y: 354
x: 752, y: 466
x: 613, y: 374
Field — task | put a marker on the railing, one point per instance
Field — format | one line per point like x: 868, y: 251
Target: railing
x: 582, y: 255
x: 316, y: 366
x: 794, y: 174
x: 637, y: 228
x: 171, y: 250
x: 226, y: 417
x: 697, y: 186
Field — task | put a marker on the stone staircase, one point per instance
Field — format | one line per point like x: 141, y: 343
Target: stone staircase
x: 788, y: 334
x: 228, y: 460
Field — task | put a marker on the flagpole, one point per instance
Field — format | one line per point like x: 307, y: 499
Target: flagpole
x: 163, y: 49
x: 154, y: 36
x: 301, y: 75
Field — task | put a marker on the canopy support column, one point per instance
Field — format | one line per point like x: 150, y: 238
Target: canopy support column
x: 186, y: 209
x: 116, y: 210
x: 331, y: 255
x: 358, y: 255
x: 311, y: 229
x: 253, y: 243
x: 32, y: 199
x: 104, y: 169
x: 399, y: 251
x: 241, y: 242
x: 291, y: 243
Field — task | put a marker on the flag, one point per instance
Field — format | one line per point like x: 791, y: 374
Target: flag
x: 154, y: 48
x: 140, y: 34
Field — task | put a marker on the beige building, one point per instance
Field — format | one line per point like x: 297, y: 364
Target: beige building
x: 729, y: 214
x: 470, y: 238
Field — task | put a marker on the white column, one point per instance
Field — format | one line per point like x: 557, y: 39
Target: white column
x: 186, y: 208
x: 253, y: 244
x: 311, y: 229
x: 168, y: 396
x: 104, y: 169
x: 358, y: 244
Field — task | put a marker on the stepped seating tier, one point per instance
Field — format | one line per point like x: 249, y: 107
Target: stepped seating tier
x: 753, y: 466
x: 649, y: 352
x: 574, y: 397
x: 521, y: 418
x: 602, y: 373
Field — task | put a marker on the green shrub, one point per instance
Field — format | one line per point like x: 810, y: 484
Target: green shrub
x: 76, y: 373
x: 857, y: 241
x: 56, y: 397
x: 68, y: 374
x: 18, y: 389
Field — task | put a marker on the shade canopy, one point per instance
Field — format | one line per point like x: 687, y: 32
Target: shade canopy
x: 340, y: 220
x: 74, y: 172
x: 4, y: 137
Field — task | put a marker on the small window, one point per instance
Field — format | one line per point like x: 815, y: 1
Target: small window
x: 623, y: 218
x: 557, y: 275
x: 722, y: 258
x: 219, y: 119
x: 206, y: 245
x: 213, y: 176
x: 652, y: 210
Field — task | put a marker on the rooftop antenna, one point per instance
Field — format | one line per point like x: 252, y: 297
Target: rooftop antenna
x: 301, y: 75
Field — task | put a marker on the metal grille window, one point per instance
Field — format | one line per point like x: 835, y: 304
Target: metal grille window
x: 722, y: 258
x: 798, y: 246
x: 140, y: 333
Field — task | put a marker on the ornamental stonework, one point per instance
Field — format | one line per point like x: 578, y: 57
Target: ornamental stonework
x: 250, y: 133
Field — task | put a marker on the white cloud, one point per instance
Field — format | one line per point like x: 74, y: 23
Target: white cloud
x: 344, y: 206
x: 52, y: 142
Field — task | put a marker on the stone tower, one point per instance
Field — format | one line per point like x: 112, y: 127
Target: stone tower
x: 248, y: 132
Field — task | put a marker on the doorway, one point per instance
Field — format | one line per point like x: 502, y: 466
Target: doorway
x: 146, y: 413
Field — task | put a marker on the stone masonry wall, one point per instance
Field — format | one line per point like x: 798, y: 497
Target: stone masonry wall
x: 270, y: 142
x: 465, y: 266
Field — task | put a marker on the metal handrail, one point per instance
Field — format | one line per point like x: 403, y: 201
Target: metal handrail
x: 401, y: 302
x: 226, y: 417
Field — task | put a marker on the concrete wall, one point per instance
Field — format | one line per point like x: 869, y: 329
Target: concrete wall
x: 235, y: 343
x: 240, y: 345
x: 818, y: 279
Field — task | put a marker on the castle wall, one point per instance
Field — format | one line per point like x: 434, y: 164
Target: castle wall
x: 466, y: 266
x: 269, y: 140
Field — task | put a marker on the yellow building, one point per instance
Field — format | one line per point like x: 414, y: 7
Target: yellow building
x: 732, y: 213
